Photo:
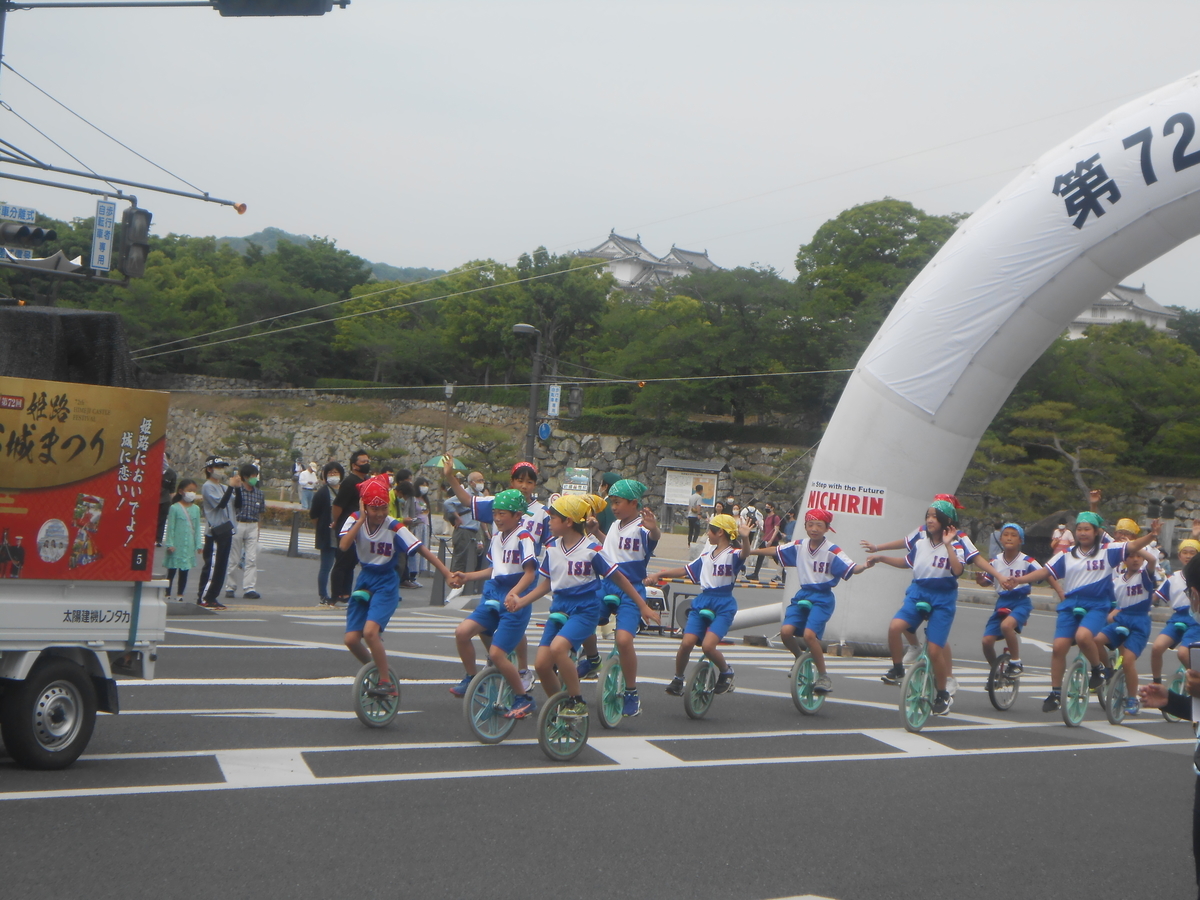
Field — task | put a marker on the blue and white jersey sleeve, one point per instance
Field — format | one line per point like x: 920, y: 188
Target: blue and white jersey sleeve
x: 481, y: 509
x: 1174, y: 592
x: 716, y: 570
x: 510, y: 554
x: 575, y: 571
x: 967, y: 551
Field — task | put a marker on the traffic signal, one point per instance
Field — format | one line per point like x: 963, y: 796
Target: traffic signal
x: 135, y: 241
x: 277, y: 7
x: 15, y: 235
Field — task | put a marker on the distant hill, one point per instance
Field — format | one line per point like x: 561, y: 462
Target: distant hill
x: 269, y: 239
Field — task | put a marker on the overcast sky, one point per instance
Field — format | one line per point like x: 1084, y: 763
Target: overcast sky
x: 432, y: 133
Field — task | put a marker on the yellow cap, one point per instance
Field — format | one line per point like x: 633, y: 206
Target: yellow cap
x: 727, y: 524
x: 1128, y: 525
x: 1189, y: 544
x: 577, y: 507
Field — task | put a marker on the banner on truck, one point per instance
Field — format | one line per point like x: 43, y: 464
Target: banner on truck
x: 81, y: 469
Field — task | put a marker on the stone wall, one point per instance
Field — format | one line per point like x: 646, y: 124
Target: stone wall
x: 194, y: 434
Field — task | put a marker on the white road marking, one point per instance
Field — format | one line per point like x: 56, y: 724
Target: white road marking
x: 334, y: 680
x: 264, y: 768
x: 193, y: 632
x: 285, y: 767
x: 249, y: 713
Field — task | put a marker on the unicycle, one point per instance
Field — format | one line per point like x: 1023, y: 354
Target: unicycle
x: 372, y: 711
x: 803, y: 676
x: 1114, y: 694
x: 701, y: 682
x: 1075, y: 690
x: 699, y: 687
x: 1002, y: 689
x: 561, y: 737
x: 1176, y: 685
x: 610, y: 679
x: 485, y: 703
x: 917, y: 690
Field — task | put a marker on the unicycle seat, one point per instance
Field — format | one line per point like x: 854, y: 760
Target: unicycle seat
x: 804, y: 604
x: 612, y: 601
x: 558, y: 618
x: 707, y: 615
x: 1180, y: 627
x: 494, y: 604
x: 1004, y: 611
x: 1122, y: 631
x: 924, y: 608
x: 364, y: 596
x: 1079, y: 611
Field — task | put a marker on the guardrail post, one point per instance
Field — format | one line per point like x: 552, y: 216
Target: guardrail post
x: 437, y: 596
x: 294, y: 540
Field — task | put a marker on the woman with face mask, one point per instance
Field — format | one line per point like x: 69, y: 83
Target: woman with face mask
x: 422, y: 530
x: 321, y: 512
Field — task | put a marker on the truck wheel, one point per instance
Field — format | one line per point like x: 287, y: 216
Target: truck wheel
x: 47, y: 719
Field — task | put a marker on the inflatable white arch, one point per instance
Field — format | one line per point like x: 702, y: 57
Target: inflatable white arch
x: 1116, y: 196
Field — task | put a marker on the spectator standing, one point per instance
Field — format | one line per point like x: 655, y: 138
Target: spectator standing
x: 308, y: 486
x: 183, y: 537
x: 347, y: 501
x: 753, y: 518
x: 789, y: 526
x: 994, y: 546
x: 167, y: 496
x: 218, y: 535
x: 1062, y: 540
x: 695, y: 512
x: 423, y: 533
x: 464, y: 540
x: 321, y: 513
x: 771, y: 534
x: 249, y: 504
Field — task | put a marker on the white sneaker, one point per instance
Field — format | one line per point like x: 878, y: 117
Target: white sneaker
x: 527, y: 679
x: 911, y: 654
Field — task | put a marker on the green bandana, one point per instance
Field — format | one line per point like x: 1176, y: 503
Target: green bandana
x: 946, y: 508
x: 511, y: 500
x: 628, y: 489
x: 1090, y: 518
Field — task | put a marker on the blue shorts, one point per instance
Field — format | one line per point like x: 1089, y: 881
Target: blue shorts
x: 815, y: 619
x: 1183, y: 616
x: 1139, y: 632
x: 504, y: 627
x: 721, y: 603
x: 383, y: 582
x: 943, y: 601
x: 584, y: 614
x: 628, y: 614
x: 1019, y: 609
x: 1095, y: 618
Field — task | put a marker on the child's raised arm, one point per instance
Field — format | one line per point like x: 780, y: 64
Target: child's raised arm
x: 662, y: 574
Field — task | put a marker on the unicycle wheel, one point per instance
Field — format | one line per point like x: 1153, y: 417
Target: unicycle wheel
x: 1075, y: 692
x: 487, y: 699
x: 804, y: 675
x: 1116, y: 691
x: 374, y: 712
x: 698, y: 688
x: 561, y: 738
x: 1177, y: 686
x: 610, y: 693
x: 1001, y: 689
x: 916, y: 695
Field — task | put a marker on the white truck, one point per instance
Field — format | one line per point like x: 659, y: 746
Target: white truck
x: 81, y: 476
x: 61, y: 645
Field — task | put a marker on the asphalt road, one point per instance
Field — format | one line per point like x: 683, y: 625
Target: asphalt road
x: 242, y: 772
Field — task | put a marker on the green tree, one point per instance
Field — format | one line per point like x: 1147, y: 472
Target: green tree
x: 1089, y: 449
